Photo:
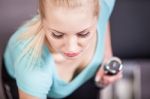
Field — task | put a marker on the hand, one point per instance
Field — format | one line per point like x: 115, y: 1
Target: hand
x: 103, y: 80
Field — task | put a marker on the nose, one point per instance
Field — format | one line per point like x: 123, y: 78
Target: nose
x: 72, y: 44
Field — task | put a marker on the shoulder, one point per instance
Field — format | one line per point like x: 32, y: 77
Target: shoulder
x: 13, y: 48
x: 34, y: 79
x: 15, y: 39
x: 14, y: 45
x: 17, y: 42
x: 107, y: 5
x: 106, y: 8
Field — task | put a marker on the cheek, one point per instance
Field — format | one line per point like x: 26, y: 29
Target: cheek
x: 84, y: 42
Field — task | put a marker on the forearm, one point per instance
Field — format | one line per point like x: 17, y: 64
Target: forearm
x: 108, y: 47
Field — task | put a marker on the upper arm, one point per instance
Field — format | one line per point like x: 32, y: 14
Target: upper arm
x: 34, y: 83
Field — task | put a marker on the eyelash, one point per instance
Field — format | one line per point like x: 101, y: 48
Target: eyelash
x: 83, y: 35
x: 57, y: 36
x: 79, y: 35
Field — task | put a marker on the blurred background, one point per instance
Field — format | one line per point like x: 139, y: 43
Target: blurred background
x: 130, y: 28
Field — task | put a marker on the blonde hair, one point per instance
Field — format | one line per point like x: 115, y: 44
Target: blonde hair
x: 35, y: 31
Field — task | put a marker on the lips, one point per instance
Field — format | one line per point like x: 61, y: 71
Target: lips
x: 71, y: 54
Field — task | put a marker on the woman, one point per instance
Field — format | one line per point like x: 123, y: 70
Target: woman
x: 58, y: 53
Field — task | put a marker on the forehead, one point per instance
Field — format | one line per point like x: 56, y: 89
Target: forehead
x: 69, y: 20
x: 68, y: 3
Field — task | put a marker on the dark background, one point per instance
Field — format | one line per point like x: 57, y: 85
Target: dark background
x: 130, y: 24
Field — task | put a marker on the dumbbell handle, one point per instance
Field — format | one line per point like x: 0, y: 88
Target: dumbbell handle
x: 113, y: 66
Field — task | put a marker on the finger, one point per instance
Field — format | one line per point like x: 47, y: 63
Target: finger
x: 103, y: 83
x: 111, y: 79
x: 99, y: 74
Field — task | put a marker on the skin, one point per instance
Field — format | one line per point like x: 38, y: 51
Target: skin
x: 70, y: 22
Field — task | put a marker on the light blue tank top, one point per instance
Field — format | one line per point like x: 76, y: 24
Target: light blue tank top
x: 43, y: 80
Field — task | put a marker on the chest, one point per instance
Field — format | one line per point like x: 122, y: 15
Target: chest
x: 68, y: 70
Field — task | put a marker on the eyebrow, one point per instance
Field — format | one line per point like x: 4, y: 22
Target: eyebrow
x: 65, y: 33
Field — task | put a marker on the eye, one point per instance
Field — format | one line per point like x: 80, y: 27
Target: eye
x: 57, y: 35
x: 83, y: 35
